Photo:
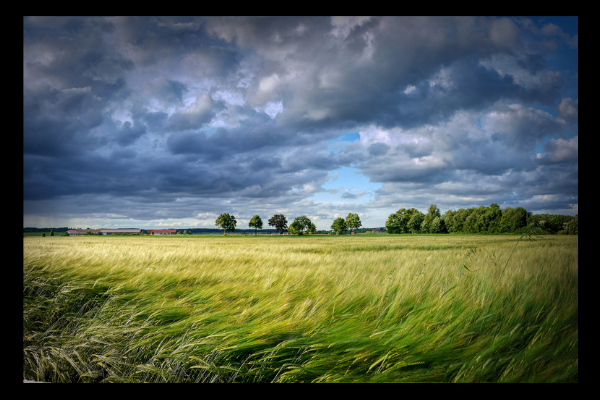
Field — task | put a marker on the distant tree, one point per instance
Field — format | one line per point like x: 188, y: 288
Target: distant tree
x: 573, y: 226
x: 303, y: 223
x: 51, y: 232
x: 295, y: 228
x: 432, y: 214
x: 452, y: 220
x: 555, y: 223
x: 513, y: 219
x: 226, y: 222
x: 44, y: 234
x: 312, y: 229
x: 398, y: 222
x: 339, y: 226
x: 437, y: 226
x: 415, y: 221
x: 394, y: 221
x: 185, y: 232
x: 279, y: 222
x: 255, y: 223
x: 353, y: 221
x: 88, y: 232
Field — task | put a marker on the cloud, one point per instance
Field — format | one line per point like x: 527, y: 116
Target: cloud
x: 194, y: 116
x: 560, y: 150
x: 348, y: 195
x: 568, y: 109
x: 521, y: 127
x: 178, y: 118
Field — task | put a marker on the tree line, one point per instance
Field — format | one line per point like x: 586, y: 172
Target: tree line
x: 485, y: 220
x: 300, y: 226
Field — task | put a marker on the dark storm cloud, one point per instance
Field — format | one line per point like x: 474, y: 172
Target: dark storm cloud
x: 59, y: 122
x: 129, y: 133
x: 378, y: 149
x: 245, y: 110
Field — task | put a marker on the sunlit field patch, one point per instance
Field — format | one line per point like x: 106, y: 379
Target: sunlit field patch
x: 389, y: 308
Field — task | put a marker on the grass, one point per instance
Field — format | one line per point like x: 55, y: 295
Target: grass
x: 393, y: 308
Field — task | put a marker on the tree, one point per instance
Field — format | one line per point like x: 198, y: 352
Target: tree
x: 339, y: 226
x: 394, y: 222
x: 51, y: 232
x: 415, y: 221
x: 185, y: 232
x: 573, y: 226
x: 295, y: 228
x: 312, y: 229
x: 44, y: 234
x: 513, y: 219
x: 353, y: 221
x: 255, y: 223
x: 279, y: 222
x: 398, y: 222
x: 432, y: 214
x: 226, y: 222
x: 302, y: 224
x: 438, y: 226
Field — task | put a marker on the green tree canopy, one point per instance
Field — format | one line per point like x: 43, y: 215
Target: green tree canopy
x: 226, y: 222
x: 279, y: 222
x: 339, y: 226
x: 303, y: 224
x: 312, y: 229
x: 295, y: 228
x: 432, y: 214
x: 415, y: 221
x: 398, y: 222
x: 255, y: 223
x: 438, y: 226
x: 353, y: 221
x: 513, y: 219
x: 573, y: 226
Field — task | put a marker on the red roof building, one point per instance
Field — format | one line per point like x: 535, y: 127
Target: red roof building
x: 81, y: 232
x: 162, y: 231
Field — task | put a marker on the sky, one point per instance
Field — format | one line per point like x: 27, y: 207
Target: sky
x: 152, y: 122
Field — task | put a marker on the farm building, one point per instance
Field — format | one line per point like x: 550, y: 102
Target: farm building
x: 162, y: 231
x: 120, y: 231
x: 81, y: 232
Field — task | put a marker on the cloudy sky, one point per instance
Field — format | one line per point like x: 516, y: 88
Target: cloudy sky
x: 168, y: 122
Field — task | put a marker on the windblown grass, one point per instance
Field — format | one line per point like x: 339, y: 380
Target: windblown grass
x: 403, y: 308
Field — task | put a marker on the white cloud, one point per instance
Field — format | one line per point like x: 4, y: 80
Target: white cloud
x: 343, y: 25
x: 273, y: 108
x: 569, y: 109
x: 557, y: 150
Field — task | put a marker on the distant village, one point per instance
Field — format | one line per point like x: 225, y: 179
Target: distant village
x: 81, y: 232
x: 190, y: 231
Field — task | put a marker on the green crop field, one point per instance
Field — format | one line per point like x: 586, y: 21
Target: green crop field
x: 389, y: 308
